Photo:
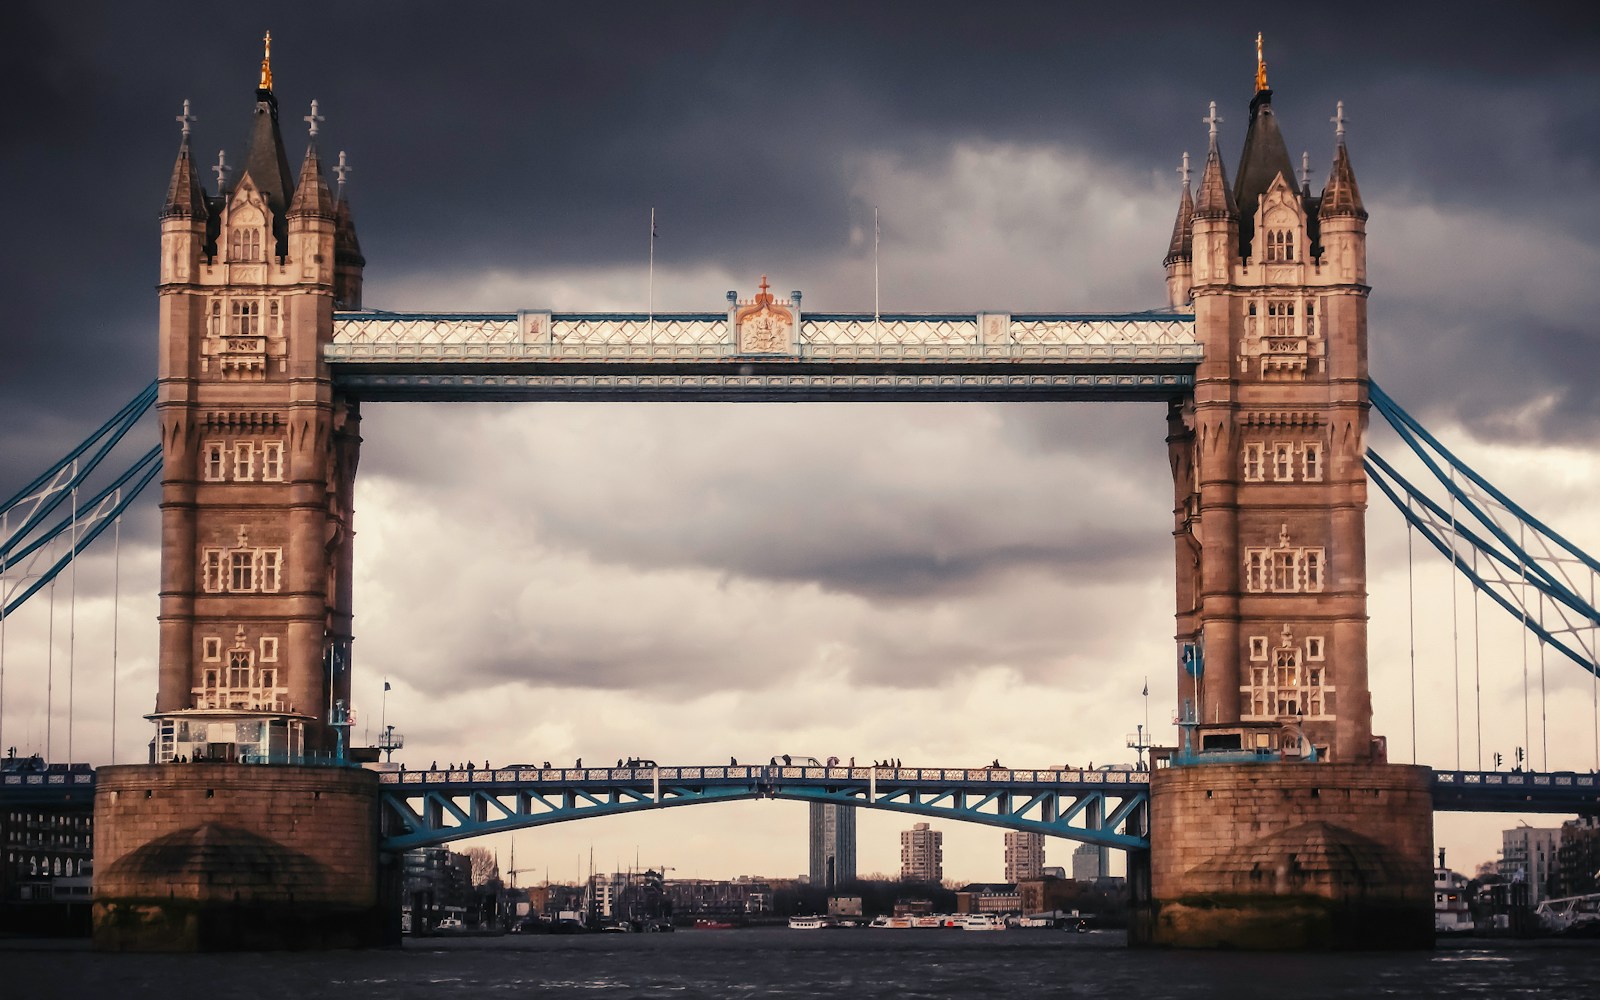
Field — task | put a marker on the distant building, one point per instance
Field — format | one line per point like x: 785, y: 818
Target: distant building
x: 437, y: 883
x: 921, y: 854
x: 47, y: 833
x: 1024, y: 855
x: 988, y: 897
x: 1528, y: 856
x: 844, y: 906
x: 1578, y: 858
x: 833, y: 844
x: 1088, y: 863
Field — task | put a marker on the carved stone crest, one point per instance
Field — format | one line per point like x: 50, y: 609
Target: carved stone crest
x: 763, y: 325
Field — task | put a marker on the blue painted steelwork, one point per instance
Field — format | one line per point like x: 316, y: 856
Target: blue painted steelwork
x: 27, y: 535
x: 1510, y: 567
x: 1109, y: 808
x: 1516, y: 792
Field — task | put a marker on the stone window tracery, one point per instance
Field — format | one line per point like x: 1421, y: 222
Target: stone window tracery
x: 245, y: 244
x: 272, y: 461
x: 1289, y: 685
x: 1254, y: 462
x: 1284, y: 569
x: 242, y: 569
x: 215, y: 462
x: 244, y: 461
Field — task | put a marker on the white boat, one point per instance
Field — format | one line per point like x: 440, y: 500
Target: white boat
x: 811, y: 923
x: 1451, y: 913
x: 893, y: 923
x: 983, y: 922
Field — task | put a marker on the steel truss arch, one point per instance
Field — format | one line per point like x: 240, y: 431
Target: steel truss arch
x: 427, y: 808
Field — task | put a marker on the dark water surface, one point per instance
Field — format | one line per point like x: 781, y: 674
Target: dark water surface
x: 780, y: 963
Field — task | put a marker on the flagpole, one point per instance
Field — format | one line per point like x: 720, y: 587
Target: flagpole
x: 651, y: 305
x: 876, y: 238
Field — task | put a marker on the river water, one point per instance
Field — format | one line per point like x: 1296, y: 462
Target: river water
x: 780, y: 963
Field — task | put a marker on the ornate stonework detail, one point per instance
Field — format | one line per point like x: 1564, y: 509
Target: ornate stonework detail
x: 763, y: 326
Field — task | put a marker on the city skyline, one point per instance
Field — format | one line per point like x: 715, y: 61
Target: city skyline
x: 690, y: 583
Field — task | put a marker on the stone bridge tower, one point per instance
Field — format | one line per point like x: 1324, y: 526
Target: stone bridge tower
x: 259, y: 455
x: 1279, y: 823
x: 1267, y: 456
x: 195, y: 850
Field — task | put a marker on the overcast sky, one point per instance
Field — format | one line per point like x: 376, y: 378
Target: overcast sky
x: 946, y: 584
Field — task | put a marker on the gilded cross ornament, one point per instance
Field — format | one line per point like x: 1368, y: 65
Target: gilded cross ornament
x: 1261, y: 66
x: 266, y: 64
x: 221, y: 170
x: 186, y: 119
x: 313, y: 119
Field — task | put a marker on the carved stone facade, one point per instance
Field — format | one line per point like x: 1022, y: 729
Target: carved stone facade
x: 259, y: 454
x: 1270, y: 491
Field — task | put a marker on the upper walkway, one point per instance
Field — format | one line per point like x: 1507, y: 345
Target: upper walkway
x: 823, y: 356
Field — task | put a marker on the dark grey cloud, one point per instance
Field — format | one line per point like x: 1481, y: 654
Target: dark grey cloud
x: 539, y: 135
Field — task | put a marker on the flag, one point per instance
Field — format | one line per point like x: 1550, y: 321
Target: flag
x: 1146, y: 692
x: 386, y: 685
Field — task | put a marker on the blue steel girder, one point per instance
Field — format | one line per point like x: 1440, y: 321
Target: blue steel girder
x: 425, y: 808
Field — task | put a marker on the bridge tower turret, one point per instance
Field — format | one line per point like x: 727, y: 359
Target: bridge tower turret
x: 259, y: 454
x: 1271, y: 497
x: 1279, y: 824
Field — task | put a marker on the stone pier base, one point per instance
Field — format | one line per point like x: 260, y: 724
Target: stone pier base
x: 1289, y: 856
x: 212, y: 857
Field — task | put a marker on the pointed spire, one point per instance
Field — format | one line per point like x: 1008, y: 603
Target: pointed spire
x: 1341, y: 197
x: 1182, y: 245
x: 185, y: 198
x: 266, y: 161
x: 1265, y: 157
x: 1216, y: 199
x: 312, y: 197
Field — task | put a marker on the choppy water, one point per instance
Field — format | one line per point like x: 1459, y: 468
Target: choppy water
x: 780, y: 963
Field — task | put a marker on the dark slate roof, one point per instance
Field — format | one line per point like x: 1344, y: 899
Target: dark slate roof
x: 1265, y: 157
x: 1341, y: 196
x: 346, y: 247
x: 185, y: 199
x: 1216, y: 200
x: 268, y: 165
x: 312, y: 196
x: 1182, y: 245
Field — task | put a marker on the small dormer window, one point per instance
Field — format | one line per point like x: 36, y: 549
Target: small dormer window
x: 246, y: 244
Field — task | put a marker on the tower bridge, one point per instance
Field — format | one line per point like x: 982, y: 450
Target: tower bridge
x: 266, y: 353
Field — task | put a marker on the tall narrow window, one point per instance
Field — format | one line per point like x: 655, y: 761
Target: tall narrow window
x: 211, y: 650
x: 216, y: 463
x: 269, y: 654
x: 1313, y: 567
x: 214, y: 324
x: 1254, y: 462
x: 272, y: 461
x: 274, y: 326
x: 211, y: 576
x: 244, y: 461
x: 1311, y: 461
x: 1283, y: 462
x: 267, y: 570
x: 1255, y: 570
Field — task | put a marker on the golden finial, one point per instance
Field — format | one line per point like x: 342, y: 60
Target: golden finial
x: 266, y: 65
x: 1261, y: 66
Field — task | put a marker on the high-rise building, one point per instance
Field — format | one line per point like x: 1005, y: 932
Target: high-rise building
x: 1528, y: 855
x: 1088, y: 863
x: 1024, y: 855
x: 833, y: 844
x: 921, y: 854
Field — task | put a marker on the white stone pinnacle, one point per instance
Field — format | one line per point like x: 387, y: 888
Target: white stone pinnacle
x: 313, y: 120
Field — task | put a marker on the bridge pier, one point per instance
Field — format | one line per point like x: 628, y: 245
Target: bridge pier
x: 1290, y: 856
x: 218, y: 857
